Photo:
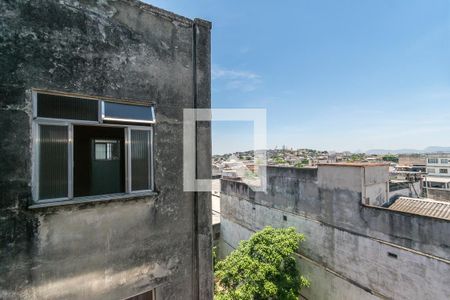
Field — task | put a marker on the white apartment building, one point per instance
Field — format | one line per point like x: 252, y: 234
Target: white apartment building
x: 438, y: 165
x: 436, y: 184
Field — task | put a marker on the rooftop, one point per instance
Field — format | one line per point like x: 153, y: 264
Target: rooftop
x: 437, y: 179
x: 439, y: 155
x: 424, y: 207
x: 167, y: 14
x: 355, y: 164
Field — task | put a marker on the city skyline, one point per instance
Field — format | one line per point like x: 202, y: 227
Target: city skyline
x: 345, y: 75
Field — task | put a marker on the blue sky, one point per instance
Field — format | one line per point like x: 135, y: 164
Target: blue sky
x: 333, y: 75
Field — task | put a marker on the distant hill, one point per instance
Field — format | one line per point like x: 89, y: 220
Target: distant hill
x: 432, y: 149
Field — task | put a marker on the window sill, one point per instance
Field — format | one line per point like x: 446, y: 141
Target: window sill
x: 94, y: 199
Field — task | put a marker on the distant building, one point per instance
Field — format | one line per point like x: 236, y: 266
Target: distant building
x: 332, y: 157
x: 412, y: 160
x: 438, y: 165
x: 216, y: 171
x: 374, y: 159
x: 230, y: 174
x: 437, y: 188
x: 437, y: 184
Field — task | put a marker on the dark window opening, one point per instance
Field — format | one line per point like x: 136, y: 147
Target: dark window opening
x: 144, y: 296
x: 99, y: 162
x: 393, y: 255
x: 437, y: 185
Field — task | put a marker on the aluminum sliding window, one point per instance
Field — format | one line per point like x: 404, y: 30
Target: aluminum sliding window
x: 140, y: 159
x: 55, y: 118
x: 69, y: 108
x: 118, y: 112
x: 52, y: 154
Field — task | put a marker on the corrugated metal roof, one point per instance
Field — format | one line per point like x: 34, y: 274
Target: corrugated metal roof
x: 424, y: 207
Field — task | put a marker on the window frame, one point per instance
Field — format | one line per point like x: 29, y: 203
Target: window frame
x: 36, y: 161
x: 70, y: 123
x: 128, y: 177
x: 433, y: 161
x: 105, y: 143
x: 102, y: 115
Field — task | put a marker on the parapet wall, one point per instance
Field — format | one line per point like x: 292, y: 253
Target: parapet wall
x: 334, y: 195
x: 353, y: 250
x: 441, y: 195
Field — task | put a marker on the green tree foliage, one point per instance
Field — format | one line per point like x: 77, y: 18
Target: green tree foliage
x: 299, y: 165
x: 390, y: 157
x: 279, y: 160
x: 214, y: 257
x: 357, y: 157
x: 264, y: 267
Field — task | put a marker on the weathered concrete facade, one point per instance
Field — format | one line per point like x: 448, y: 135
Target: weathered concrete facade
x: 106, y: 249
x: 353, y: 250
x: 437, y: 194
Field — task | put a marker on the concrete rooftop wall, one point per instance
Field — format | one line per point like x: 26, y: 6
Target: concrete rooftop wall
x: 334, y: 195
x: 105, y: 250
x: 352, y: 251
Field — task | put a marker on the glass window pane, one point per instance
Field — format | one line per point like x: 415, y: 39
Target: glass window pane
x: 61, y: 107
x: 130, y: 113
x: 53, y: 159
x: 100, y: 151
x: 107, y: 149
x: 114, y: 150
x: 140, y: 160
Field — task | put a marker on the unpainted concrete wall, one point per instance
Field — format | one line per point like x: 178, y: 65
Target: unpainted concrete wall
x: 112, y: 250
x: 348, y: 254
x: 441, y: 195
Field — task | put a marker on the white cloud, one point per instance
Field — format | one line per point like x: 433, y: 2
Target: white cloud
x: 235, y: 79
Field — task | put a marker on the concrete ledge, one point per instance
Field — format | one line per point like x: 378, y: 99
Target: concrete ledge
x: 204, y: 23
x: 355, y: 164
x: 159, y: 11
x: 94, y: 199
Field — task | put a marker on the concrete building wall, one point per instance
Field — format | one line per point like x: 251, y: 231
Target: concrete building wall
x: 412, y: 159
x: 438, y: 194
x: 438, y: 165
x: 116, y: 249
x: 352, y: 251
